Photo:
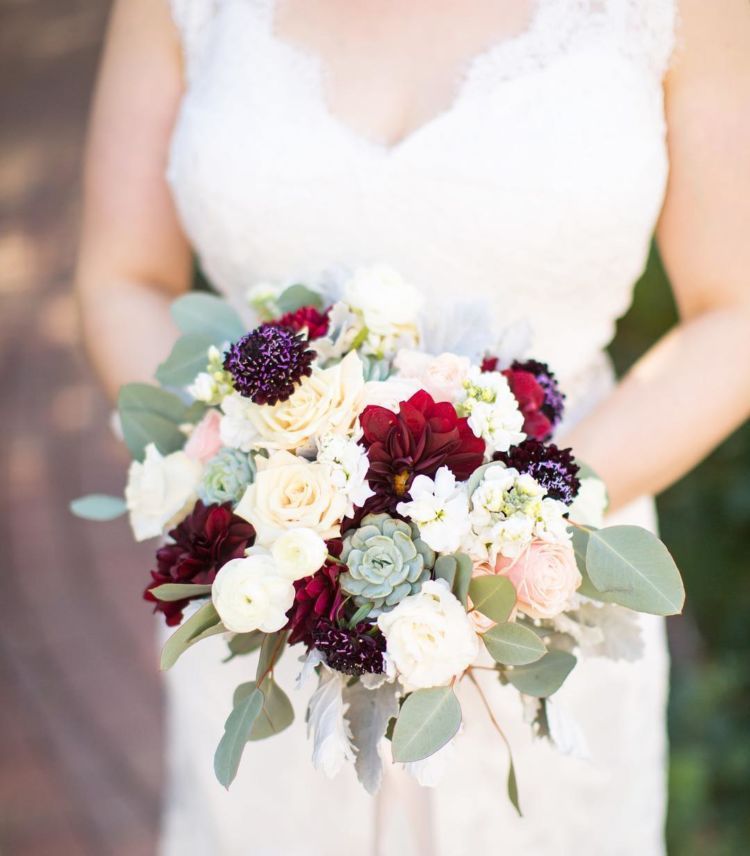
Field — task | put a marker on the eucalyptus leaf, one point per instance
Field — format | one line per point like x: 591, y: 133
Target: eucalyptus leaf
x: 276, y: 714
x: 580, y: 542
x: 98, y: 506
x: 493, y: 596
x: 544, y: 677
x: 190, y: 631
x: 513, y: 644
x: 151, y: 415
x: 189, y: 356
x: 179, y: 591
x: 296, y: 296
x: 244, y: 643
x: 209, y: 316
x: 236, y: 732
x: 271, y: 649
x: 633, y: 567
x: 428, y: 720
x: 513, y: 788
x: 456, y: 569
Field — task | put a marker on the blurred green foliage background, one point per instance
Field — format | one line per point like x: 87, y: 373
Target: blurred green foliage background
x: 705, y: 521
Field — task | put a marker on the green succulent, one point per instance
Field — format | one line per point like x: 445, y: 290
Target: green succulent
x: 386, y: 561
x: 226, y: 476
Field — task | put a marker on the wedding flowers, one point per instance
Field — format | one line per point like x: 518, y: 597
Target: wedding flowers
x: 348, y: 463
x: 429, y: 637
x: 249, y: 594
x: 160, y: 491
x: 442, y: 377
x: 440, y: 508
x: 545, y: 576
x: 298, y: 553
x: 492, y: 410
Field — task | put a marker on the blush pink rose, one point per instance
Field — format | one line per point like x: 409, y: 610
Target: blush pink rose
x: 204, y: 441
x: 442, y: 376
x: 545, y: 577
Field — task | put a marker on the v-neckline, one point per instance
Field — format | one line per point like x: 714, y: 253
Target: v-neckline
x: 465, y: 75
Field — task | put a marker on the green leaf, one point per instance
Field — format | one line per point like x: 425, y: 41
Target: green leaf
x: 513, y: 788
x: 634, y: 568
x: 236, y: 732
x: 513, y: 645
x: 544, y: 677
x: 98, y: 506
x: 189, y: 356
x: 297, y: 296
x: 445, y: 568
x: 190, y: 631
x: 208, y: 315
x: 456, y: 569
x: 580, y: 543
x: 151, y: 415
x: 244, y: 643
x: 179, y: 591
x: 493, y: 596
x: 271, y: 649
x: 276, y: 714
x: 427, y: 721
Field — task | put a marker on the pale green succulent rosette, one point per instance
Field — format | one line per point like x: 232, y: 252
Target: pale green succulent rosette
x: 387, y: 561
x: 226, y: 476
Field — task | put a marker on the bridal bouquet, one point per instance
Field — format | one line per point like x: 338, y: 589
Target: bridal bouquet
x: 398, y: 518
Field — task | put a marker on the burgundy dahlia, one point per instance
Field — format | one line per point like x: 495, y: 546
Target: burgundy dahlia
x: 206, y: 539
x: 351, y: 650
x: 305, y: 318
x: 422, y: 437
x: 267, y: 363
x: 317, y: 598
x: 555, y: 469
x: 554, y: 400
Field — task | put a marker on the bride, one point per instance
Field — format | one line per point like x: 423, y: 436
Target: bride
x: 516, y: 154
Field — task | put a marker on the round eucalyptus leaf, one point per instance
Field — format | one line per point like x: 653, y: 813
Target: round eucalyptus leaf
x: 236, y: 732
x: 208, y: 315
x: 513, y: 644
x: 98, y: 506
x: 493, y: 596
x: 427, y: 721
x: 189, y: 356
x: 544, y: 677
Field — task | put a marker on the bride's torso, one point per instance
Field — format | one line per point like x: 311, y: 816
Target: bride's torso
x: 536, y: 188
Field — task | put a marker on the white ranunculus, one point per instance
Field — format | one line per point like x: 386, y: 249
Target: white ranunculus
x: 440, y: 508
x: 348, y: 463
x: 290, y: 492
x: 236, y: 429
x: 250, y: 594
x: 388, y: 304
x: 389, y: 393
x: 160, y: 491
x: 429, y: 637
x: 298, y: 553
x: 590, y: 503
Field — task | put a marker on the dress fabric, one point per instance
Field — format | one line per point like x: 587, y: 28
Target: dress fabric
x: 534, y: 196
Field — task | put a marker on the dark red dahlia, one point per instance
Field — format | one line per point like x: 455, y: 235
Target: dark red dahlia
x: 317, y: 598
x: 305, y: 318
x: 267, y: 363
x: 555, y: 469
x: 422, y: 437
x: 554, y: 400
x: 206, y: 539
x: 351, y: 650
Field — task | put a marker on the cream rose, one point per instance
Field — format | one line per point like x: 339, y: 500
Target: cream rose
x: 298, y: 553
x: 545, y: 577
x: 442, y: 376
x: 429, y: 637
x: 249, y: 594
x: 387, y: 302
x: 160, y: 491
x: 326, y: 402
x: 290, y: 492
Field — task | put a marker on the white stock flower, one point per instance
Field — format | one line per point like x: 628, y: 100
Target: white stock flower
x: 214, y: 384
x: 160, y: 491
x: 429, y: 637
x: 440, y: 508
x: 508, y: 510
x: 348, y: 463
x: 298, y: 553
x: 492, y: 410
x: 236, y: 429
x: 590, y: 503
x: 250, y: 594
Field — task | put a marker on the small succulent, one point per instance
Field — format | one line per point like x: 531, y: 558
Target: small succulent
x: 226, y: 476
x: 386, y: 561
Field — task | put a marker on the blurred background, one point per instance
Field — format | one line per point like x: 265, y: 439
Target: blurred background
x: 80, y: 706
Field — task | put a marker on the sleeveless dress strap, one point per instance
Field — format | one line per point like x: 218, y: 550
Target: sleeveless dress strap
x: 192, y: 19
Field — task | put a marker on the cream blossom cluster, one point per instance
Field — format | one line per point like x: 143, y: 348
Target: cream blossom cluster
x: 440, y: 508
x: 492, y: 410
x: 214, y: 384
x: 348, y: 465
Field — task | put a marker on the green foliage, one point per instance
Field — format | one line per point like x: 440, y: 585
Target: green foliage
x: 427, y: 721
x: 513, y: 644
x: 493, y: 596
x: 297, y: 296
x: 179, y: 591
x: 236, y: 732
x: 188, y: 357
x: 456, y: 569
x: 98, y: 506
x: 545, y: 676
x: 209, y: 316
x: 205, y: 622
x: 152, y: 415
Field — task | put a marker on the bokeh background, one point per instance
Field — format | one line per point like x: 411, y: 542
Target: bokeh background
x: 80, y: 705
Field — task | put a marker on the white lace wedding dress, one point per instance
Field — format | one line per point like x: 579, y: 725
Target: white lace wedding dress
x: 536, y: 191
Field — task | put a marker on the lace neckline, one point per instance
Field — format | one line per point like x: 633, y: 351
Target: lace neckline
x: 503, y: 59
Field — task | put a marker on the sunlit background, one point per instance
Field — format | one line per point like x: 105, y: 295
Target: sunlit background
x: 80, y: 731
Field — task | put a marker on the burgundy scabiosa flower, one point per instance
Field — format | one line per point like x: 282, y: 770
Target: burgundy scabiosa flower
x: 351, y: 650
x: 554, y: 400
x: 206, y: 539
x: 317, y: 598
x: 422, y: 437
x: 267, y: 363
x: 555, y: 469
x: 305, y: 318
x: 530, y: 397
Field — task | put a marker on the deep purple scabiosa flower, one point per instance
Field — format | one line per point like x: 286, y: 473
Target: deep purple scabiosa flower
x: 351, y: 650
x: 268, y: 363
x: 554, y: 399
x: 555, y: 469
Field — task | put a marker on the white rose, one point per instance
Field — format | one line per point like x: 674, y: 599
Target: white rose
x: 160, y: 491
x: 249, y: 594
x: 442, y: 376
x: 290, y: 492
x: 389, y: 393
x: 298, y: 553
x: 429, y: 637
x: 440, y: 508
x: 236, y: 429
x: 326, y: 402
x: 388, y: 303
